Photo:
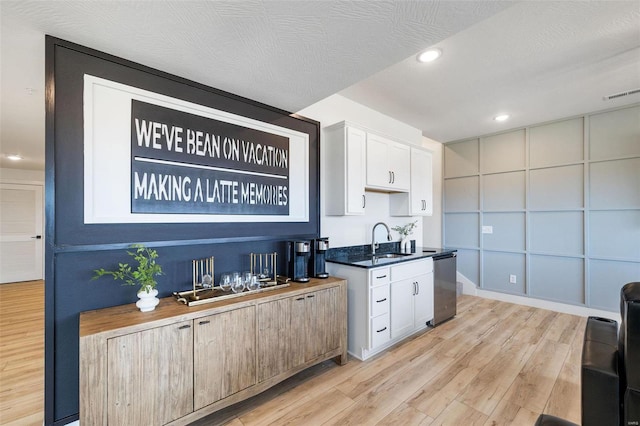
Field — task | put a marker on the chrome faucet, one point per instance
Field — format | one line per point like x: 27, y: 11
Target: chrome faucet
x: 373, y: 236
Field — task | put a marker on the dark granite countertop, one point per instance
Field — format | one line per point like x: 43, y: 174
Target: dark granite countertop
x: 360, y: 256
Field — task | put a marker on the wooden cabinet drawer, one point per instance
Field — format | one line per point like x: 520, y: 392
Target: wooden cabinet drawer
x: 379, y: 276
x: 380, y: 332
x: 379, y: 300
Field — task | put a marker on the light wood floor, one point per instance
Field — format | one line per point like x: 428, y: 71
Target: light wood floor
x: 494, y: 364
x: 22, y: 353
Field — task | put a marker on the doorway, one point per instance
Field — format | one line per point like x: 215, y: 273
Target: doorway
x: 21, y: 237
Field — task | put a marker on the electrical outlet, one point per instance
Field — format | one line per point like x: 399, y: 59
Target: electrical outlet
x: 512, y: 279
x: 487, y: 229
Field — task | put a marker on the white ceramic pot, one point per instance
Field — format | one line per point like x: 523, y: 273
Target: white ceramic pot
x: 405, y: 245
x: 148, y: 300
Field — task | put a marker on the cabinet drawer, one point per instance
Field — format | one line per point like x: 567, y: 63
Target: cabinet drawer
x: 379, y: 300
x: 411, y: 269
x: 379, y: 276
x: 380, y: 332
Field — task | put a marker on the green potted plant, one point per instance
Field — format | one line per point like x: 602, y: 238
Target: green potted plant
x: 143, y: 275
x: 405, y: 231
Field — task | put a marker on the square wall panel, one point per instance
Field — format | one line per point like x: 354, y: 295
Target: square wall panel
x: 461, y: 194
x: 468, y: 264
x: 557, y: 278
x: 502, y: 153
x: 615, y: 134
x: 497, y: 270
x: 615, y: 234
x: 507, y: 231
x: 503, y: 191
x: 615, y: 184
x: 461, y: 158
x: 557, y: 232
x: 461, y: 230
x: 606, y: 279
x: 556, y: 143
x: 556, y: 188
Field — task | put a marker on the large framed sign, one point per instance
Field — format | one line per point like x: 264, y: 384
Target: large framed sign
x: 151, y: 158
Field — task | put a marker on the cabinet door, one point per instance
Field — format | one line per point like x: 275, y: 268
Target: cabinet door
x: 326, y: 324
x: 402, y: 293
x: 274, y: 329
x: 315, y: 328
x: 423, y: 299
x: 378, y: 172
x: 421, y: 183
x: 224, y: 355
x: 299, y: 326
x: 356, y: 171
x: 150, y: 375
x: 400, y: 165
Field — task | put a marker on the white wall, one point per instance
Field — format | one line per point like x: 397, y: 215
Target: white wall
x: 355, y: 230
x: 21, y: 176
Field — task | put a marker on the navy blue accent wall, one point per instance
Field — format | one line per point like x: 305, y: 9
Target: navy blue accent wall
x: 74, y: 249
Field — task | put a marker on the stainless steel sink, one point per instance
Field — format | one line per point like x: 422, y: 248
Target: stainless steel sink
x: 390, y: 255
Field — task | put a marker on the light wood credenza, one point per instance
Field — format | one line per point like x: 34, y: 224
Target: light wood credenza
x: 178, y: 363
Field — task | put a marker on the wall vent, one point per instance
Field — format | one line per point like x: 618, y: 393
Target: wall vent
x: 621, y: 94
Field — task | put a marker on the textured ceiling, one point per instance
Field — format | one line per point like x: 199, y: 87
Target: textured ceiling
x: 537, y: 60
x: 289, y: 54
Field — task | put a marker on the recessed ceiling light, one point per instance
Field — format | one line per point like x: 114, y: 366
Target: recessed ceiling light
x: 14, y: 157
x: 501, y: 117
x: 429, y: 55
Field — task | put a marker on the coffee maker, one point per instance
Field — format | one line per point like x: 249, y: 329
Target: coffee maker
x: 298, y: 260
x: 318, y: 257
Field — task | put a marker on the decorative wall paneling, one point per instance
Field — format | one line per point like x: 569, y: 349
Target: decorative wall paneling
x: 563, y: 203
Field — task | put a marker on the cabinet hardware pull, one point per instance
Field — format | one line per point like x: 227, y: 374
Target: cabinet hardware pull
x: 393, y: 177
x: 364, y: 201
x: 300, y: 298
x: 311, y: 295
x: 381, y: 300
x: 184, y: 326
x: 381, y: 330
x: 417, y: 287
x: 204, y: 322
x: 382, y: 276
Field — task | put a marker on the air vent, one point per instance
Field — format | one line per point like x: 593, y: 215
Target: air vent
x: 621, y: 94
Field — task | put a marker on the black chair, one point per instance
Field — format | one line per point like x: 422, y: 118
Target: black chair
x: 610, y: 368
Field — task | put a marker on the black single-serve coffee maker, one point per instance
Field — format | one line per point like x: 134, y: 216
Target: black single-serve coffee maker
x: 318, y: 258
x: 298, y: 260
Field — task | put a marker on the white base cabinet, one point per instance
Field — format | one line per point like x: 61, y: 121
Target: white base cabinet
x: 411, y: 297
x: 386, y: 304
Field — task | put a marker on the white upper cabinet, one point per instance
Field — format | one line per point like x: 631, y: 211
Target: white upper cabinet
x: 388, y: 164
x: 356, y: 159
x: 419, y: 200
x: 345, y: 170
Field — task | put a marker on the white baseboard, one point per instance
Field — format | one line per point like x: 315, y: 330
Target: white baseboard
x: 468, y: 287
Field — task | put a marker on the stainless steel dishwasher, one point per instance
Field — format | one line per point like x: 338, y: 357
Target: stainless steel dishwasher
x: 444, y: 289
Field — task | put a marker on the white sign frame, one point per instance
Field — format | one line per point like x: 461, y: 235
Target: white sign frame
x: 107, y: 157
